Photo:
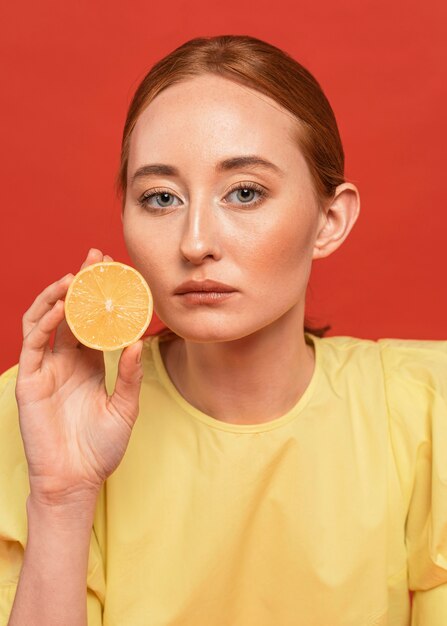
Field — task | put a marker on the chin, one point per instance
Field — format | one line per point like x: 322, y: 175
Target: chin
x: 210, y: 332
x: 203, y: 335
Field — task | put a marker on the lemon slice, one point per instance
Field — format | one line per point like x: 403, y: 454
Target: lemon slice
x: 108, y: 306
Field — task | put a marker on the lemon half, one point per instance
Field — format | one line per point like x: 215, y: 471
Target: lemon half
x: 108, y: 306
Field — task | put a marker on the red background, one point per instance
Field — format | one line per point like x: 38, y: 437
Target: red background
x: 70, y: 69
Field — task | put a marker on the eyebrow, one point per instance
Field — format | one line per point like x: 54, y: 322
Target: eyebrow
x: 233, y: 163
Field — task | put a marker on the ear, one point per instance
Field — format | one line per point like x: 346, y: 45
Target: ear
x: 336, y: 220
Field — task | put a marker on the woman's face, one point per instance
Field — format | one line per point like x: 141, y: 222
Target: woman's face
x: 188, y: 220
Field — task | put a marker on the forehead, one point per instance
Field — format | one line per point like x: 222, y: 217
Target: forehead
x: 209, y: 117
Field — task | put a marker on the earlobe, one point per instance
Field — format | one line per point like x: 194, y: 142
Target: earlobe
x: 338, y: 219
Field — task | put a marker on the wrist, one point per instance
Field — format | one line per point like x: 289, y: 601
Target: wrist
x: 72, y: 513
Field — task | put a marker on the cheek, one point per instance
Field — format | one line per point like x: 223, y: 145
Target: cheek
x: 278, y: 251
x: 148, y: 253
x: 133, y: 240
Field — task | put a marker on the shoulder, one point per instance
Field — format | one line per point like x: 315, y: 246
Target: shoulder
x: 423, y: 362
x: 411, y: 372
x: 415, y: 373
x: 14, y: 484
x: 415, y: 377
x: 418, y: 360
x: 11, y: 446
x: 8, y: 379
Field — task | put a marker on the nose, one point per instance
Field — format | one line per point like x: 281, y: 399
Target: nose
x: 199, y: 238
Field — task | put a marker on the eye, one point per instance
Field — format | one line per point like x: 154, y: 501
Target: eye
x: 246, y: 191
x: 157, y: 199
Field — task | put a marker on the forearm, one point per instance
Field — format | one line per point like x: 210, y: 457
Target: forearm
x: 52, y: 588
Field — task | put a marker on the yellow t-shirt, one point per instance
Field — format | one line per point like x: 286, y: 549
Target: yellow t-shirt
x: 326, y: 516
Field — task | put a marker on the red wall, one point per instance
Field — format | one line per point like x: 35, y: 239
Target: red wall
x: 69, y: 70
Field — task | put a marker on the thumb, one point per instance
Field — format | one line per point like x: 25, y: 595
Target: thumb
x: 126, y: 394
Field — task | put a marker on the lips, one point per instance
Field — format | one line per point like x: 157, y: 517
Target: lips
x: 193, y: 286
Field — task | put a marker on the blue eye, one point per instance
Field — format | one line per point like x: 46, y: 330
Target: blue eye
x: 162, y: 197
x: 245, y: 194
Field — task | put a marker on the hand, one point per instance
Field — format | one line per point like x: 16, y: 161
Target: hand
x: 74, y: 434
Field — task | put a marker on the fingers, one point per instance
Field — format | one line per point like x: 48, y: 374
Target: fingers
x: 36, y: 342
x: 44, y: 303
x: 49, y: 296
x: 64, y: 338
x: 125, y: 398
x: 45, y: 315
x: 95, y: 256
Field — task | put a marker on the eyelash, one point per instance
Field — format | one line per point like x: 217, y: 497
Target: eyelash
x: 143, y: 201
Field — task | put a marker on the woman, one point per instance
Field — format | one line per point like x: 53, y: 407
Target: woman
x: 273, y: 476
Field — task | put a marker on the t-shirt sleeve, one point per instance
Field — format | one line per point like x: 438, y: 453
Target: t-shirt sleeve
x: 416, y: 381
x: 14, y: 490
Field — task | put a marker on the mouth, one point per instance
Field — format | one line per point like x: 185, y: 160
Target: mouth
x: 205, y: 297
x: 204, y: 287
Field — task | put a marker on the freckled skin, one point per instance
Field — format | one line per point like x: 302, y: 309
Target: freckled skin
x: 264, y: 251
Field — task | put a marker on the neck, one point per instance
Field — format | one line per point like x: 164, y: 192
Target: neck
x: 251, y: 380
